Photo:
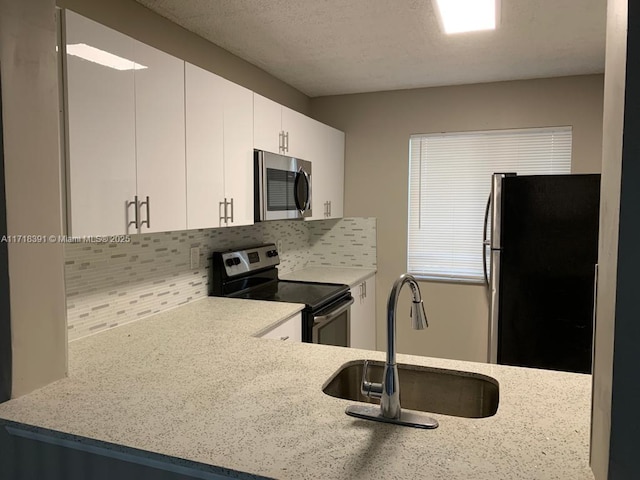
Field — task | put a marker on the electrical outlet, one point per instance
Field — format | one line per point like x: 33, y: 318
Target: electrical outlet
x: 195, y: 257
x: 279, y: 246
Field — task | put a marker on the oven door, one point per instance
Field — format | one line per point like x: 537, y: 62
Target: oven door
x: 332, y: 325
x: 283, y: 187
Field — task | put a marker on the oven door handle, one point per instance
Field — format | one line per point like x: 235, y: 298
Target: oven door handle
x: 334, y: 313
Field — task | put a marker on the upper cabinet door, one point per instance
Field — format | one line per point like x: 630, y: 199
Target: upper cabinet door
x: 334, y: 178
x: 267, y: 124
x: 160, y: 139
x: 326, y: 153
x: 300, y: 135
x: 238, y: 153
x: 204, y: 106
x: 101, y: 128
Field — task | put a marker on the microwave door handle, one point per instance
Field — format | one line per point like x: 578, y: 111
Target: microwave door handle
x: 305, y: 205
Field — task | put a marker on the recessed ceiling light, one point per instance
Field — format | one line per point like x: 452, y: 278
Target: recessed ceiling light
x: 101, y: 57
x: 459, y: 16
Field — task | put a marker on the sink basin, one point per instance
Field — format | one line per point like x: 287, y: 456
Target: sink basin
x: 434, y: 390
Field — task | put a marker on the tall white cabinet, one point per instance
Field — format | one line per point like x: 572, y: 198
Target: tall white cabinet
x: 204, y: 148
x: 125, y: 114
x: 219, y: 151
x: 328, y: 175
x: 238, y: 154
x: 101, y: 173
x: 160, y: 140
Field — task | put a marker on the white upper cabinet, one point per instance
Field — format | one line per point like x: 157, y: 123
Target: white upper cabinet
x: 328, y: 175
x: 279, y: 129
x: 333, y: 184
x: 238, y: 153
x: 219, y: 133
x: 125, y: 111
x: 301, y: 135
x: 156, y: 145
x: 101, y: 129
x: 204, y: 107
x: 267, y: 124
x: 160, y: 140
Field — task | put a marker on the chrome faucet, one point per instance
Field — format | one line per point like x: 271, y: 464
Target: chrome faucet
x: 389, y: 390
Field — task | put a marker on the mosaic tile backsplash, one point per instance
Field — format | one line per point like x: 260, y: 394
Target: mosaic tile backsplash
x: 111, y: 284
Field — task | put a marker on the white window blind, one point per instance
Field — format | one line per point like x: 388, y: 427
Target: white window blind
x: 450, y: 181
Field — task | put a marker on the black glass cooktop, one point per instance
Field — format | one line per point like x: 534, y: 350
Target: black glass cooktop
x: 314, y: 295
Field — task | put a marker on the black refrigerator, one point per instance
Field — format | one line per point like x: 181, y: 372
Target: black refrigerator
x: 543, y: 250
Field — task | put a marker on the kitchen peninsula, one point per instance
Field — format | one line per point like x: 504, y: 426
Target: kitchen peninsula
x: 192, y: 389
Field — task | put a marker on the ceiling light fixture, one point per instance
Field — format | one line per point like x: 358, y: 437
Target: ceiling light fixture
x: 458, y: 16
x: 101, y: 57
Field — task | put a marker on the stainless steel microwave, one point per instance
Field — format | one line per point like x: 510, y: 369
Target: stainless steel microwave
x: 282, y: 187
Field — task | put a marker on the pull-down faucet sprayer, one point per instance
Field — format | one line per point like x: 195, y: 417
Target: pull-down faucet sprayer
x: 389, y: 390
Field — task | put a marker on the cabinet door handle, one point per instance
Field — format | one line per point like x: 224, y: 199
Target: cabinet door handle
x: 329, y: 207
x: 286, y: 140
x: 135, y: 221
x: 281, y: 141
x: 231, y: 203
x: 365, y: 289
x: 146, y: 222
x: 220, y: 217
x: 284, y: 338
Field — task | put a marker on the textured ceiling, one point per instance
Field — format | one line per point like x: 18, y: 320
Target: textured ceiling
x: 327, y: 47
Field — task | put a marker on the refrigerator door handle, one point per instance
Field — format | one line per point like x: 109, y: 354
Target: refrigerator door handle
x: 486, y: 242
x: 494, y: 305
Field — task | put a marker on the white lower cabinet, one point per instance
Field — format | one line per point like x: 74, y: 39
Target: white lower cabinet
x: 290, y: 330
x: 363, y: 315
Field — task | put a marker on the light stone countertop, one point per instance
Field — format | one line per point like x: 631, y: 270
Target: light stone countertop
x: 351, y: 276
x: 193, y: 385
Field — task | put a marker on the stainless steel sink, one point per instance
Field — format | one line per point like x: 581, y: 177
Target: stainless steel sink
x: 434, y: 390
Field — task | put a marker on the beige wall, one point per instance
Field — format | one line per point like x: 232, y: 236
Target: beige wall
x: 137, y: 21
x: 32, y: 175
x: 378, y: 126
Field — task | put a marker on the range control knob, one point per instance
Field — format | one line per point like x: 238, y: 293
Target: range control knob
x: 229, y: 262
x: 236, y: 260
x: 272, y: 253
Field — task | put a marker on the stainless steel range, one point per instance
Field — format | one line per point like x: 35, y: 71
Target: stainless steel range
x: 252, y: 273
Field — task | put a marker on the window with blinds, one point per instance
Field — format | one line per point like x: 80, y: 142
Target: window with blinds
x: 449, y: 184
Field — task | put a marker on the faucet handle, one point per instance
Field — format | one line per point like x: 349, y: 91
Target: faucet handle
x: 369, y: 389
